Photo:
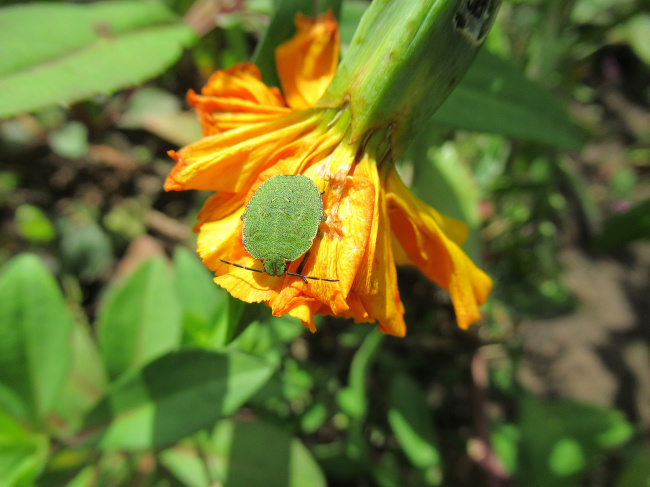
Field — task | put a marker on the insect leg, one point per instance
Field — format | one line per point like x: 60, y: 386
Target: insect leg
x: 303, y: 262
x: 304, y: 278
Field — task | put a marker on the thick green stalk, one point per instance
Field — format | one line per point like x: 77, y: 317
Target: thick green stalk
x: 404, y: 60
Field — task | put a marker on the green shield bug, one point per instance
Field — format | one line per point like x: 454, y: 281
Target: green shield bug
x: 280, y: 223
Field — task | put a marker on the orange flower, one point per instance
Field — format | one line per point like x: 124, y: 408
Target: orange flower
x: 306, y: 64
x: 372, y: 216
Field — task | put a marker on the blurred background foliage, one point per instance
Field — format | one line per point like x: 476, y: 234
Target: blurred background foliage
x: 121, y: 363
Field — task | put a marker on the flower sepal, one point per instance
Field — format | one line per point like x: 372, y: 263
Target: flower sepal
x: 404, y: 60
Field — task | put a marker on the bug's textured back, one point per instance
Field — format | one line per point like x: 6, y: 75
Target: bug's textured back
x: 282, y: 217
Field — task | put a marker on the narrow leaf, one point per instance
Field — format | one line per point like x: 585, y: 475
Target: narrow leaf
x: 140, y: 319
x: 495, y: 97
x: 410, y: 419
x: 173, y: 397
x: 58, y: 53
x: 352, y: 399
x: 35, y: 344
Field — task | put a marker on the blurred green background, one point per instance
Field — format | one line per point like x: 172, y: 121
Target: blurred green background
x: 123, y: 364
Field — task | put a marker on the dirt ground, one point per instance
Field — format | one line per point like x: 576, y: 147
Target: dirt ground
x: 600, y: 353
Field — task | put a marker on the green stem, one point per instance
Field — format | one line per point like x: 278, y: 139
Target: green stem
x: 405, y: 58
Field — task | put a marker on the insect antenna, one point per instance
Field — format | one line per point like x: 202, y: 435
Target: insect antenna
x: 241, y: 266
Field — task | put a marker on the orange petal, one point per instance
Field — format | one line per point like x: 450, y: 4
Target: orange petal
x: 234, y: 98
x: 339, y: 250
x: 221, y: 239
x: 420, y: 231
x: 218, y: 115
x: 242, y: 82
x: 233, y: 160
x: 306, y: 64
x: 376, y: 281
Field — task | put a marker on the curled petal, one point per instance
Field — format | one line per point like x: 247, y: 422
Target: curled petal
x: 233, y: 160
x: 236, y: 97
x: 420, y: 231
x: 242, y: 82
x: 306, y: 63
x: 376, y: 281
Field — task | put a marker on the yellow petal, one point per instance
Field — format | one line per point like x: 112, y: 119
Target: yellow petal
x: 421, y: 234
x: 306, y: 63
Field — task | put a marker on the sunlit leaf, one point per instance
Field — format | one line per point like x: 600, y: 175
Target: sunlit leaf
x: 35, y: 344
x: 140, y: 318
x: 22, y: 454
x: 198, y: 293
x: 59, y: 53
x: 33, y: 224
x: 174, y: 396
x: 86, y: 381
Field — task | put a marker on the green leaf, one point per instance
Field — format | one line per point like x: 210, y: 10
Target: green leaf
x: 636, y: 470
x: 505, y: 438
x: 235, y: 320
x: 246, y: 454
x: 635, y: 32
x: 619, y: 230
x: 22, y: 454
x: 35, y: 349
x: 173, y: 397
x: 351, y: 13
x: 86, y: 250
x: 85, y: 384
x: 212, y: 318
x: 495, y: 97
x: 352, y: 399
x: 199, y: 296
x: 560, y: 439
x: 70, y: 141
x: 140, y: 318
x: 33, y: 224
x: 86, y: 478
x: 281, y: 29
x: 160, y: 113
x: 410, y: 419
x: 58, y: 53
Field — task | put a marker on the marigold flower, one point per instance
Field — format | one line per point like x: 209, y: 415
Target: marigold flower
x: 373, y: 219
